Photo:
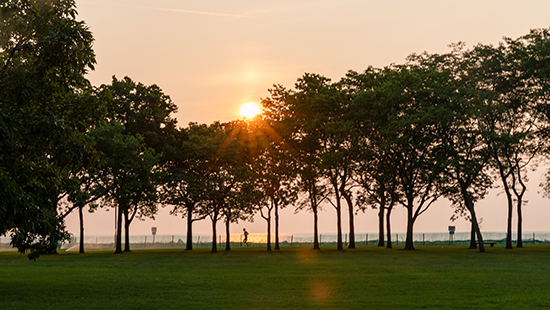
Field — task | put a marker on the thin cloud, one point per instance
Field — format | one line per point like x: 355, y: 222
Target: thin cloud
x: 192, y: 12
x: 170, y: 10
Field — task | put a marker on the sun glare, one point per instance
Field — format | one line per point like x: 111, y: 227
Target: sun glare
x: 249, y: 110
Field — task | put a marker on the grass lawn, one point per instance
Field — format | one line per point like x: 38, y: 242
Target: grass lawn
x: 294, y: 278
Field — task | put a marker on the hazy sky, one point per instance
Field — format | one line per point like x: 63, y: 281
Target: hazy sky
x: 210, y: 57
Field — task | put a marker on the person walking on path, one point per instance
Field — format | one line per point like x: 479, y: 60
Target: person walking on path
x: 245, y: 240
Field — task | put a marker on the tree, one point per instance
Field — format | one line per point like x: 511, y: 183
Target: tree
x: 509, y: 124
x: 185, y: 175
x: 46, y: 107
x: 375, y: 171
x: 144, y: 113
x: 281, y: 163
x: 143, y: 110
x: 531, y: 52
x: 282, y: 110
x: 344, y: 151
x: 234, y: 157
x: 317, y: 106
x: 312, y: 184
x: 126, y: 177
x: 83, y: 194
x: 81, y: 191
x: 273, y: 171
x: 409, y: 92
x: 226, y: 177
x: 462, y: 151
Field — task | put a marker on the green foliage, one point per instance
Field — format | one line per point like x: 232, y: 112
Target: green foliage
x: 186, y: 168
x: 126, y: 176
x: 46, y: 105
x: 126, y: 173
x: 143, y: 110
x: 134, y: 147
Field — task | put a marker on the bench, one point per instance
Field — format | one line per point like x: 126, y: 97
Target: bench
x: 491, y: 243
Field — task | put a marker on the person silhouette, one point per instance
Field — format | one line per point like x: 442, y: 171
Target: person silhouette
x: 245, y: 240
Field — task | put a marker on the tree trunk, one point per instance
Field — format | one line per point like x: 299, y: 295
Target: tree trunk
x: 276, y: 227
x: 470, y: 206
x: 410, y: 223
x: 473, y: 243
x: 509, y: 222
x: 227, y: 235
x: 315, y: 229
x: 520, y: 228
x: 268, y: 219
x: 510, y: 213
x: 338, y: 208
x: 189, y: 243
x: 339, y: 245
x: 519, y: 196
x: 351, y: 244
x: 214, y: 242
x: 477, y: 230
x: 381, y: 220
x: 388, y: 226
x: 126, y: 232
x: 118, y: 249
x: 81, y: 217
x: 504, y: 178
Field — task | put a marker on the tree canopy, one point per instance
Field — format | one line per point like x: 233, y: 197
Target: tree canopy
x: 46, y: 105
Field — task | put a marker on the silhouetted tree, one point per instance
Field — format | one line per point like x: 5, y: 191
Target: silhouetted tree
x: 145, y: 115
x: 185, y: 179
x: 46, y: 106
x: 126, y: 177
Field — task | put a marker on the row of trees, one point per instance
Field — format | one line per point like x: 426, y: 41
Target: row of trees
x: 450, y: 125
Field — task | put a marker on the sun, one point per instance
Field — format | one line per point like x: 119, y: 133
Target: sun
x: 249, y: 110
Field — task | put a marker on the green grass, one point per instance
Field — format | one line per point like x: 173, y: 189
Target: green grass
x: 294, y: 278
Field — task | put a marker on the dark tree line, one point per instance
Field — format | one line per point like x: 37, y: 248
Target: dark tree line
x: 448, y: 125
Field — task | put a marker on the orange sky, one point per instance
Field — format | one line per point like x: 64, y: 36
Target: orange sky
x: 210, y: 57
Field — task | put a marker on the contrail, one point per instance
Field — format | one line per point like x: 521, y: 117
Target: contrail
x: 170, y: 10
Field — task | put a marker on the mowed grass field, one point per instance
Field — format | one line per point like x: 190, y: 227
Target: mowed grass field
x: 293, y: 278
